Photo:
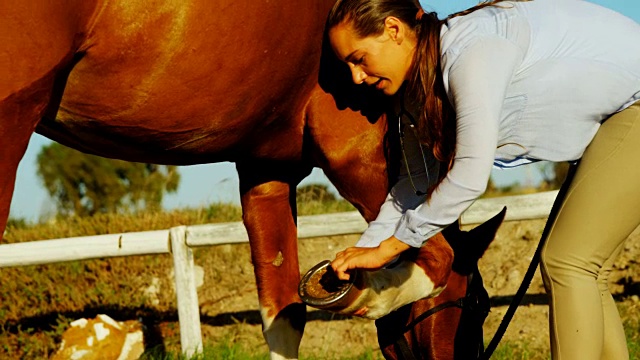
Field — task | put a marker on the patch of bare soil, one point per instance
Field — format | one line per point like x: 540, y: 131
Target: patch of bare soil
x: 229, y: 301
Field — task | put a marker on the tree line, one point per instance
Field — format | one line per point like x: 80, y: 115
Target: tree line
x: 83, y: 185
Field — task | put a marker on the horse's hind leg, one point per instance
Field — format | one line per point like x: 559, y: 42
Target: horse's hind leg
x: 18, y: 117
x: 36, y: 52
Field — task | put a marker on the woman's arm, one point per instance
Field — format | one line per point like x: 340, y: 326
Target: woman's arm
x: 477, y: 83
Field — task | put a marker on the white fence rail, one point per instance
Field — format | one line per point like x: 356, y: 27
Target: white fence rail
x: 179, y: 241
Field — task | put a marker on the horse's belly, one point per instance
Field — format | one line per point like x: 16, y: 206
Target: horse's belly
x: 161, y: 131
x: 161, y: 83
x: 159, y: 121
x: 170, y: 124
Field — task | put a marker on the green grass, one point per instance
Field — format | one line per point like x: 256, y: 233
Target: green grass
x: 516, y: 351
x: 213, y: 352
x: 63, y: 227
x: 630, y: 312
x: 224, y: 351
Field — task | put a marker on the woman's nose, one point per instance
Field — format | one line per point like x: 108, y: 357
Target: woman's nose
x: 358, y: 75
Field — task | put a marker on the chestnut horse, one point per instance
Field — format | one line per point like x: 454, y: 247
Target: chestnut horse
x: 195, y: 81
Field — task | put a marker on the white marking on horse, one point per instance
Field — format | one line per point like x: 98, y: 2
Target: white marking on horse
x: 101, y: 331
x: 79, y: 354
x: 129, y: 346
x: 387, y: 290
x: 107, y: 320
x: 278, y: 260
x: 80, y: 323
x: 282, y: 338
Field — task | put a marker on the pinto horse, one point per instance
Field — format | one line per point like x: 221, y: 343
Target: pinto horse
x: 196, y: 81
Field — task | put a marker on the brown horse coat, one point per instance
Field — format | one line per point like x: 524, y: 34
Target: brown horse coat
x: 185, y: 82
x: 195, y: 81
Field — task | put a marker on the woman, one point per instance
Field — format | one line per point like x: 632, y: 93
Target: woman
x: 509, y: 83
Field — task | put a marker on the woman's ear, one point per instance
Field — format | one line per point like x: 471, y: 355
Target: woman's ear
x: 395, y: 29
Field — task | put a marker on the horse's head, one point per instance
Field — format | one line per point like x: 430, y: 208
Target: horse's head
x: 429, y: 303
x: 449, y: 325
x: 373, y: 294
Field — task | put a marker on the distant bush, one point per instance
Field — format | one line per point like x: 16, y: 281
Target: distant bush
x: 311, y: 200
x: 17, y: 223
x: 314, y: 192
x: 98, y: 224
x: 317, y: 199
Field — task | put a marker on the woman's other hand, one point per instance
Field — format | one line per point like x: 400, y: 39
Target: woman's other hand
x: 367, y: 258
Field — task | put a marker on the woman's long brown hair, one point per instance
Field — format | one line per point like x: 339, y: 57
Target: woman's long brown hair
x: 436, y: 125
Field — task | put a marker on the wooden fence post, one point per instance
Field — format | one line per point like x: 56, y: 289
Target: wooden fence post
x: 186, y: 293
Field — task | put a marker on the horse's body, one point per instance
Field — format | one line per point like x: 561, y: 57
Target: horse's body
x: 185, y: 82
x: 166, y: 82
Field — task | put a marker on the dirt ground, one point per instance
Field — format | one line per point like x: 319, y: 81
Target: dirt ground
x: 229, y: 301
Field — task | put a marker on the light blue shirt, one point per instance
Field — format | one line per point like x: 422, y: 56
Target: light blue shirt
x: 529, y: 81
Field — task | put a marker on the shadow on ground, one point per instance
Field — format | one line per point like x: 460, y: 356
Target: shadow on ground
x: 151, y: 318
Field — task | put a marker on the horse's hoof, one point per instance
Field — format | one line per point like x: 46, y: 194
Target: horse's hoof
x: 321, y: 288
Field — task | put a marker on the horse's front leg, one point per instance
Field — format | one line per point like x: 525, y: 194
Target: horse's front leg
x: 267, y: 198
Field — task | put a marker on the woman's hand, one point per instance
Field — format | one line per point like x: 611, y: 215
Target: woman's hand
x: 367, y: 258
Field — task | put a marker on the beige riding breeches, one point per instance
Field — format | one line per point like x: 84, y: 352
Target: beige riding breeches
x: 600, y: 210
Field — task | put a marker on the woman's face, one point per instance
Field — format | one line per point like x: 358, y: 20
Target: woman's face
x: 383, y: 61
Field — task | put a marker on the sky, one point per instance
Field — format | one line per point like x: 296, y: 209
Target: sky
x: 203, y: 184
